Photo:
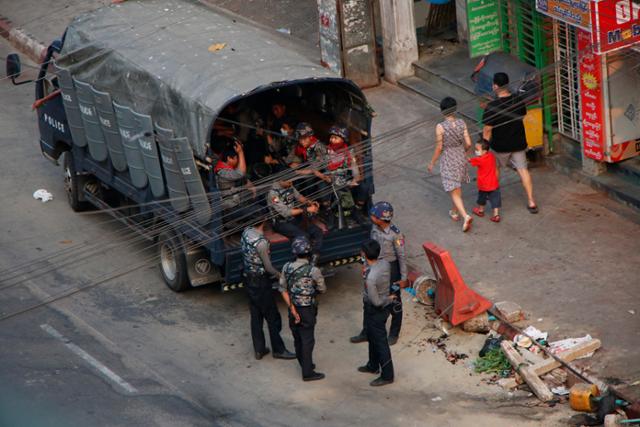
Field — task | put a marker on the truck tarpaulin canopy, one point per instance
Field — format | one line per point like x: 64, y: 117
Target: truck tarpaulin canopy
x: 179, y: 62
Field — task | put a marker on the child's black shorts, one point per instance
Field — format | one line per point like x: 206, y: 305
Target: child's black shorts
x: 494, y: 198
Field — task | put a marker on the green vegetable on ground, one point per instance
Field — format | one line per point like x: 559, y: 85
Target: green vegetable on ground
x: 493, y: 361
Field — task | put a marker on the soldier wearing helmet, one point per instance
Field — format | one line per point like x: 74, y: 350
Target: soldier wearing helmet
x: 343, y: 168
x: 307, y: 158
x: 392, y: 249
x: 258, y: 273
x: 300, y: 282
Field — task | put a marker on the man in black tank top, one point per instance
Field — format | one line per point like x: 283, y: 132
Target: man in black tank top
x: 504, y: 129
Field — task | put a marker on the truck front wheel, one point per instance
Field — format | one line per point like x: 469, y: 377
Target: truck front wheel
x: 173, y: 263
x: 72, y: 184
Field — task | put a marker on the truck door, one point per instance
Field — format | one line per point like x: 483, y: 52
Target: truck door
x: 55, y: 137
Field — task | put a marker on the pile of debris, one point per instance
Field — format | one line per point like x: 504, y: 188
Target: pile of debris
x: 516, y: 356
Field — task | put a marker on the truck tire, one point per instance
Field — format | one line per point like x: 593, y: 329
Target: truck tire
x: 172, y: 262
x: 72, y: 184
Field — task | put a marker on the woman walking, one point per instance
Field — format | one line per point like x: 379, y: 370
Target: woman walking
x: 452, y: 140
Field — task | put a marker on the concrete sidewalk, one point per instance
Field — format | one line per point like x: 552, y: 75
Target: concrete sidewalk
x: 575, y: 265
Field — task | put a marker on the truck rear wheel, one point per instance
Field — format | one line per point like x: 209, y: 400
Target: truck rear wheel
x: 72, y: 184
x: 173, y: 263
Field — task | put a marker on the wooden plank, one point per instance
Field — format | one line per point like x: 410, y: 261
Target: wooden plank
x: 580, y: 350
x: 550, y: 364
x: 538, y: 386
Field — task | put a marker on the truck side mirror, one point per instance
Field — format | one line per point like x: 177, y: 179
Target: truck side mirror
x: 14, y: 68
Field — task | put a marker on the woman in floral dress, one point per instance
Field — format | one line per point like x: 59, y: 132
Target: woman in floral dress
x: 452, y: 142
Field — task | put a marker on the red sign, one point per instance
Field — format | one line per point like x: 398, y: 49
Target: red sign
x: 614, y: 24
x: 591, y: 98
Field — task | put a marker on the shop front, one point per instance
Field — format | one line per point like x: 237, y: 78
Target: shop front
x: 597, y: 75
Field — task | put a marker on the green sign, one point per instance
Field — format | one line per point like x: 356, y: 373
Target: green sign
x: 485, y: 33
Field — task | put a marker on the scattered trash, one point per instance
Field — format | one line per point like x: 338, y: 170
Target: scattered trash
x: 510, y: 311
x: 560, y: 391
x: 540, y: 319
x: 479, y: 324
x: 424, y: 288
x: 216, y: 47
x: 284, y: 31
x: 43, y: 195
x: 522, y: 341
x: 436, y: 399
x: 557, y: 347
x: 528, y: 372
x: 535, y: 333
x: 581, y: 397
x: 65, y: 242
x: 555, y: 378
x: 490, y: 344
x: 632, y: 311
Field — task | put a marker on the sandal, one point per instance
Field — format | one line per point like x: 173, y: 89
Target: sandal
x: 533, y: 209
x: 454, y: 215
x: 478, y: 212
x: 466, y: 226
x: 495, y: 218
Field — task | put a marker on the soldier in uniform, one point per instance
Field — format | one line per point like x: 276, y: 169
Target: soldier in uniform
x: 300, y: 282
x: 307, y: 158
x: 231, y: 180
x: 343, y: 169
x: 259, y: 274
x: 292, y: 209
x: 376, y: 299
x: 391, y: 242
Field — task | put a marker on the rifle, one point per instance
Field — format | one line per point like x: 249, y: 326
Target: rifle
x: 339, y: 202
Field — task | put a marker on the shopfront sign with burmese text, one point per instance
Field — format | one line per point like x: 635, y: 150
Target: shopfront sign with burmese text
x: 485, y: 32
x: 614, y: 24
x: 574, y: 12
x: 591, y: 98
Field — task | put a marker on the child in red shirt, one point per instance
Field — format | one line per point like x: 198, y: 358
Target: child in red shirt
x: 488, y: 185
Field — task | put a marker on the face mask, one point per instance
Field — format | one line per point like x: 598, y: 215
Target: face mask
x: 363, y: 260
x: 284, y: 132
x: 478, y: 153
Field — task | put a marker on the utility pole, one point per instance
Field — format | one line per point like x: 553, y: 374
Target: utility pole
x: 400, y: 46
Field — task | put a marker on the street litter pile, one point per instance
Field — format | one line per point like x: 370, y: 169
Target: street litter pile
x: 516, y: 355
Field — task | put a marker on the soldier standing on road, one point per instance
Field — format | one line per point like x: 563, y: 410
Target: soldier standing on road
x: 259, y: 274
x: 376, y: 298
x: 391, y: 242
x: 300, y: 282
